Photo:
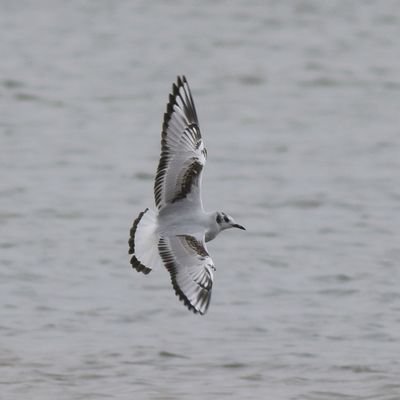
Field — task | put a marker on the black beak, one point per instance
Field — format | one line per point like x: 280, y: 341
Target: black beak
x: 239, y: 226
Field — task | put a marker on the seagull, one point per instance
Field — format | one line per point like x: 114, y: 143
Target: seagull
x: 175, y: 235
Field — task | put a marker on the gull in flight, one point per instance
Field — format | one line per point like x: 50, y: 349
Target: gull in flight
x: 176, y: 234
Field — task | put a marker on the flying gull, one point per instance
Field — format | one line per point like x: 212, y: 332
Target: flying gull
x: 176, y: 234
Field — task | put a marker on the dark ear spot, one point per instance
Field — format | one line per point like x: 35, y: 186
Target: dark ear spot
x: 219, y: 219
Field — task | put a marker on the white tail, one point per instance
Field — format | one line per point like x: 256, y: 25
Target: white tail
x: 143, y: 243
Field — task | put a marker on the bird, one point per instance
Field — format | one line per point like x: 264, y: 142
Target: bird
x: 174, y: 235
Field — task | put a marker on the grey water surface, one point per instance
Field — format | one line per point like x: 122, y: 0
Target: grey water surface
x: 299, y: 105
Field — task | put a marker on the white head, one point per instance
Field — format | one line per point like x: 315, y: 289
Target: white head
x: 219, y: 222
x: 225, y: 221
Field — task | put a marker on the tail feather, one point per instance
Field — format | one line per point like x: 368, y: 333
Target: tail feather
x: 143, y: 242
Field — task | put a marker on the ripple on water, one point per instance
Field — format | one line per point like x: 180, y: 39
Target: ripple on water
x: 334, y: 278
x: 144, y: 176
x: 168, y: 354
x: 253, y: 377
x: 297, y: 203
x: 12, y: 84
x: 358, y: 369
x: 234, y: 365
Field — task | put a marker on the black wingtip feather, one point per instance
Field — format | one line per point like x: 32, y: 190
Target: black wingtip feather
x: 136, y: 264
x: 181, y: 81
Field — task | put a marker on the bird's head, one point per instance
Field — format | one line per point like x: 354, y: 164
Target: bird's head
x: 225, y: 221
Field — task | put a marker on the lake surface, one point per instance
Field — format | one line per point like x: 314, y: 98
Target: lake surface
x: 299, y: 108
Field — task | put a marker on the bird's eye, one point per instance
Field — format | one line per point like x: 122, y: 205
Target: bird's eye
x: 219, y: 219
x: 226, y: 219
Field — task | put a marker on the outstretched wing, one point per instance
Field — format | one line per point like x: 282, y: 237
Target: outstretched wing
x: 191, y: 269
x: 183, y: 154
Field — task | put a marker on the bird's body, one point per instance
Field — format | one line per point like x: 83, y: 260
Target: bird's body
x: 190, y: 221
x: 175, y: 234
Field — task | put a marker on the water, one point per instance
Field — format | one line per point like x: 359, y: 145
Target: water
x: 299, y: 106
